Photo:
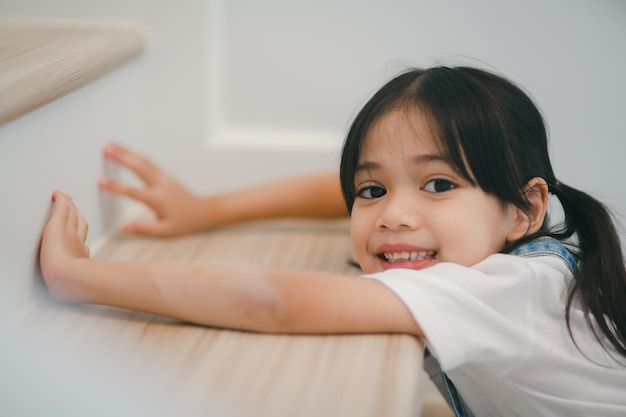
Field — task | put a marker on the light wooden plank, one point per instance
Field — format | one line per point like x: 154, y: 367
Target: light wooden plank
x: 42, y: 61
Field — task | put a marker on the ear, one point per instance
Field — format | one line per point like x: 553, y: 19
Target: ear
x: 528, y: 222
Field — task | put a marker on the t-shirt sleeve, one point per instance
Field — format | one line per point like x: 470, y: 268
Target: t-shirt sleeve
x: 468, y: 315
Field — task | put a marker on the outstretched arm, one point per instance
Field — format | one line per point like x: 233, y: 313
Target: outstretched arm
x: 178, y: 211
x: 244, y: 297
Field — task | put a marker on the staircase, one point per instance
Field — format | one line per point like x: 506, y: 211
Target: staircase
x: 64, y: 86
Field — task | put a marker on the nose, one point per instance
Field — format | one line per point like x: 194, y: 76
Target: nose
x: 399, y: 211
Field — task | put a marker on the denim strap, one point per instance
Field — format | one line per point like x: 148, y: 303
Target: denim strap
x: 546, y: 246
x: 445, y: 386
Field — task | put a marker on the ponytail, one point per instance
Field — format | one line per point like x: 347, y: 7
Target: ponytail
x: 600, y: 281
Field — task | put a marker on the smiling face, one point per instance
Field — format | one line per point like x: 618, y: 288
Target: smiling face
x: 412, y: 209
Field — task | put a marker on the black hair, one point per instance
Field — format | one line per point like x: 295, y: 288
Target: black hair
x: 494, y: 136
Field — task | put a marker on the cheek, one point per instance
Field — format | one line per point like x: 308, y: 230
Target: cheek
x: 472, y: 236
x: 487, y: 238
x: 359, y: 233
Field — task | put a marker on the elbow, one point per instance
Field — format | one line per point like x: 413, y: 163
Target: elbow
x: 265, y: 305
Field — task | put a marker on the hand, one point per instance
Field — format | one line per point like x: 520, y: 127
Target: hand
x: 62, y: 244
x: 177, y: 210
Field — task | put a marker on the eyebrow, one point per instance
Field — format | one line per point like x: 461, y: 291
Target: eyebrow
x: 370, y: 165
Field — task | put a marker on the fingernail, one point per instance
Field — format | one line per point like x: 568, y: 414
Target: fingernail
x: 110, y: 148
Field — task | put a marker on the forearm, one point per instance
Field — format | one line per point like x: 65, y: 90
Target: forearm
x: 245, y: 297
x: 317, y: 196
x: 232, y: 296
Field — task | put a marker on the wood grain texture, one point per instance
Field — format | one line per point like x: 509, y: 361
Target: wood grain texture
x: 42, y: 61
x: 240, y: 373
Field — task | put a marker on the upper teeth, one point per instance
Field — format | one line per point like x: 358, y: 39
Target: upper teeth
x: 407, y: 256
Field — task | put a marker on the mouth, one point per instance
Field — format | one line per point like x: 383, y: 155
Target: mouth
x: 406, y: 256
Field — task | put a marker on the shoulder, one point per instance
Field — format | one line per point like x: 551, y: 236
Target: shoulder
x: 485, y: 312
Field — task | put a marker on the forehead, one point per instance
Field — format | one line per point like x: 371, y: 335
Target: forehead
x: 402, y: 132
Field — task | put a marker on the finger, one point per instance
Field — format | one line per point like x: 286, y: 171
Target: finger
x: 82, y: 228
x: 134, y: 161
x: 144, y: 228
x: 61, y: 206
x: 72, y: 218
x: 123, y: 189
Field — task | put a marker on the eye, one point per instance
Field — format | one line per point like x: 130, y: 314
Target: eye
x: 439, y: 186
x: 371, y: 192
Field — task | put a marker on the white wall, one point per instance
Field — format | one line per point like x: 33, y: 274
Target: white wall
x: 266, y: 68
x: 307, y: 66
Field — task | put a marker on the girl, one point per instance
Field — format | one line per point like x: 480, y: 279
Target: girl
x: 446, y: 175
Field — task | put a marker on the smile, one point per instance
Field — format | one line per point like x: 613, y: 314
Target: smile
x: 407, y: 256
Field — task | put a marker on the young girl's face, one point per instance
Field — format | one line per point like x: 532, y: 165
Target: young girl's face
x: 412, y: 209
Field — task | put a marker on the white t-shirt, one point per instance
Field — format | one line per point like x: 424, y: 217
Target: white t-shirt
x: 498, y: 331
